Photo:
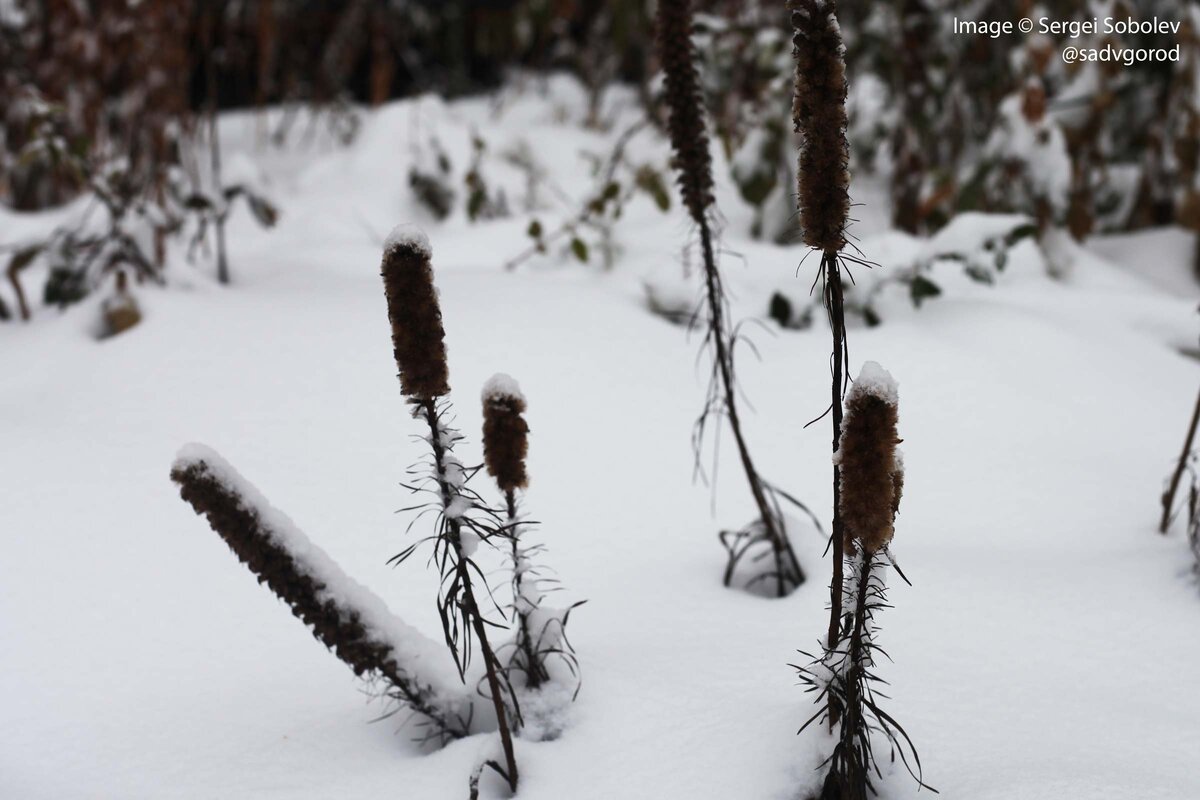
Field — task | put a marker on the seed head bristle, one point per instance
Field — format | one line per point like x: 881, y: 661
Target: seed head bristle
x: 685, y: 123
x: 505, y: 433
x: 819, y: 114
x: 418, y: 339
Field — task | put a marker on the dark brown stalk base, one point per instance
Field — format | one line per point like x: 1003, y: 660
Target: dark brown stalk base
x: 470, y: 607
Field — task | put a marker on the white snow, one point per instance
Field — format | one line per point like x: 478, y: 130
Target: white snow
x: 501, y: 385
x: 140, y: 660
x: 875, y: 380
x: 408, y: 235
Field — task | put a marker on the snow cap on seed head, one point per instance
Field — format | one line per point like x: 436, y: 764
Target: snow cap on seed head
x: 418, y: 338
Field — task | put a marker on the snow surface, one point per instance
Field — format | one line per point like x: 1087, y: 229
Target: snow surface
x: 1045, y: 651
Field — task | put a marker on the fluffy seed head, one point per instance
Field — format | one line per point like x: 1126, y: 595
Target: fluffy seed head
x: 685, y: 123
x: 872, y: 474
x: 505, y: 433
x: 418, y: 339
x: 819, y: 114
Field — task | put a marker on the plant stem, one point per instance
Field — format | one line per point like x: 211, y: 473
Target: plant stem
x: 470, y: 607
x: 534, y: 674
x: 1168, y: 498
x: 837, y: 326
x: 214, y: 145
x: 785, y: 559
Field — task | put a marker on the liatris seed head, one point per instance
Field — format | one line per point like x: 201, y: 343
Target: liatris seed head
x: 871, y: 473
x: 418, y: 339
x: 819, y: 114
x: 685, y: 124
x: 505, y: 432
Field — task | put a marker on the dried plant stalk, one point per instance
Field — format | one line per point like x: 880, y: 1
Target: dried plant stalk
x: 819, y: 116
x: 418, y: 342
x: 872, y: 476
x: 302, y: 576
x: 1168, y: 497
x: 693, y: 165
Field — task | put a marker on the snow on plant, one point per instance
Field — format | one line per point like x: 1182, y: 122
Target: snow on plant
x: 463, y: 521
x: 766, y: 537
x: 343, y: 615
x: 844, y: 677
x: 540, y: 644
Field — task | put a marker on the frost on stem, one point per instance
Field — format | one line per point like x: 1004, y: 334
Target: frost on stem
x: 343, y: 615
x: 844, y: 677
x: 540, y: 638
x: 819, y: 116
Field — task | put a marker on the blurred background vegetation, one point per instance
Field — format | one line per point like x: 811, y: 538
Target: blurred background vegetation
x: 108, y: 97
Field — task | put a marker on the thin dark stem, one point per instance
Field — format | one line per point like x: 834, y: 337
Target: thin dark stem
x: 854, y: 681
x: 214, y: 145
x: 785, y: 559
x: 470, y: 607
x: 837, y: 326
x: 1168, y: 498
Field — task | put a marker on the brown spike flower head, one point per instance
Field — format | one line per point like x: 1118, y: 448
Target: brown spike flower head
x: 819, y: 114
x: 871, y: 473
x: 418, y: 339
x: 505, y: 432
x: 685, y: 124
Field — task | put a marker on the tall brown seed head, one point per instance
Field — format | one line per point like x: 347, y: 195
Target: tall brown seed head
x: 819, y: 114
x: 685, y: 123
x: 871, y: 473
x: 418, y: 339
x: 505, y: 433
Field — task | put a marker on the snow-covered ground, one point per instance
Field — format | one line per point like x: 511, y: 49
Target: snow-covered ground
x: 1046, y: 650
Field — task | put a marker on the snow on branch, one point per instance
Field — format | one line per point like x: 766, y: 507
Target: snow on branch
x: 343, y: 615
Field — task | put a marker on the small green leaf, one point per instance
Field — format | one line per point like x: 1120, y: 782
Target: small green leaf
x: 979, y: 273
x: 534, y: 231
x: 580, y: 249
